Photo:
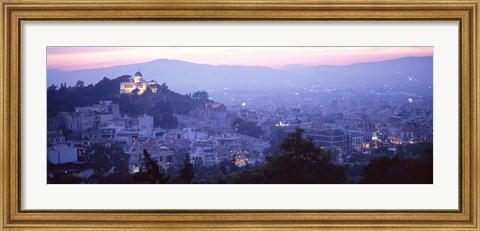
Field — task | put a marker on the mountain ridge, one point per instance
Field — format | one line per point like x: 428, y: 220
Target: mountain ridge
x: 188, y: 77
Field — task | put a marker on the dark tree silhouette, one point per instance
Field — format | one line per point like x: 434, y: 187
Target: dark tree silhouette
x: 299, y: 161
x: 150, y: 174
x: 201, y: 96
x: 397, y: 170
x: 107, y: 159
x: 247, y: 128
x: 187, y: 173
x: 250, y: 176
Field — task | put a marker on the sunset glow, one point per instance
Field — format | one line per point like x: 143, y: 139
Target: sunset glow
x: 75, y: 58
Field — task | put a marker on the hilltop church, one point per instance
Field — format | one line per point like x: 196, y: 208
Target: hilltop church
x: 138, y: 83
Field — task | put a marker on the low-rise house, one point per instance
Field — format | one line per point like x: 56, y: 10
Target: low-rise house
x: 193, y: 135
x: 127, y: 137
x: 204, y: 155
x: 330, y: 139
x: 55, y: 137
x: 62, y: 153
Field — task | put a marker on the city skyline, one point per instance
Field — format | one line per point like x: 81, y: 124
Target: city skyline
x: 78, y: 58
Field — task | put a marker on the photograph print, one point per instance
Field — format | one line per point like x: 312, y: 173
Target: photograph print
x: 239, y: 115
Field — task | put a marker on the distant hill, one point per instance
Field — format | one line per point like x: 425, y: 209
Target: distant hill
x: 407, y: 70
x: 293, y: 67
x: 162, y: 105
x: 184, y: 76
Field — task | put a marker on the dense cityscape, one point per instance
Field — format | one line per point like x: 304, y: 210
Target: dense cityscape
x: 129, y: 130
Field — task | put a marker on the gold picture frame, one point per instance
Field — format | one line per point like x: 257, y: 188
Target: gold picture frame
x: 14, y: 12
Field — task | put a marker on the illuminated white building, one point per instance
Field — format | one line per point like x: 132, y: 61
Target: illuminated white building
x: 138, y: 83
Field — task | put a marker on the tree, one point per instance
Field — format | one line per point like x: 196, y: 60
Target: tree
x: 150, y: 174
x: 136, y: 91
x: 67, y: 98
x: 64, y: 178
x: 187, y: 174
x: 277, y: 136
x: 162, y: 88
x: 163, y: 114
x: 397, y: 170
x: 299, y: 161
x: 201, y: 96
x: 52, y: 88
x: 247, y: 128
x: 114, y: 178
x: 80, y: 83
x: 107, y: 159
x: 249, y: 176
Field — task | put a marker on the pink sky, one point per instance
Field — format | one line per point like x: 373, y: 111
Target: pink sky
x: 75, y: 58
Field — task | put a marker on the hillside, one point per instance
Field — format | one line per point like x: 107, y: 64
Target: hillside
x: 162, y: 105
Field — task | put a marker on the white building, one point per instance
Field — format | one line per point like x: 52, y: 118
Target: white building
x: 204, y: 155
x: 145, y: 124
x: 138, y: 83
x: 162, y: 155
x: 62, y: 153
x: 55, y: 137
x: 193, y: 135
